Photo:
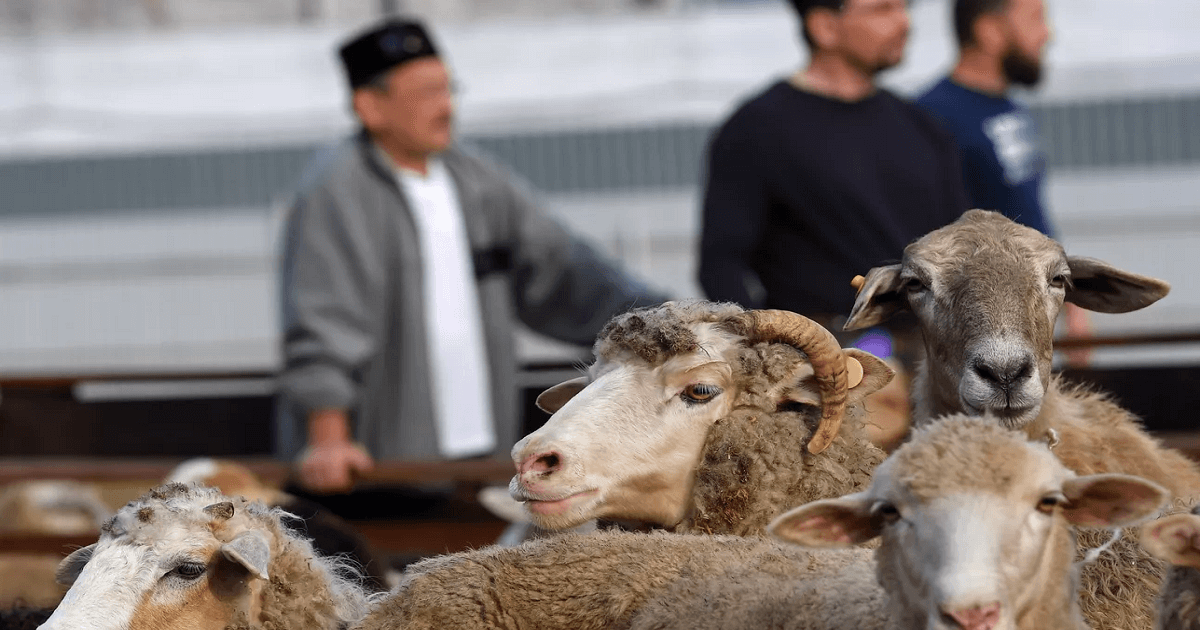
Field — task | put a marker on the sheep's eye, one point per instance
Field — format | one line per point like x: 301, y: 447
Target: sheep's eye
x: 914, y: 285
x: 699, y: 393
x: 1060, y: 281
x: 1047, y: 503
x: 188, y: 571
x: 886, y: 511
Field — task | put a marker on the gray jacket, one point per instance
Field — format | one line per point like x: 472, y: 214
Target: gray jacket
x: 353, y: 318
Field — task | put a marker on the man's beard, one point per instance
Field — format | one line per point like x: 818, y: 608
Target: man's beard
x: 1021, y: 69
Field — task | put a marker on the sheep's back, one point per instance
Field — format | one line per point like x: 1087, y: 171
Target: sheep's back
x: 832, y: 591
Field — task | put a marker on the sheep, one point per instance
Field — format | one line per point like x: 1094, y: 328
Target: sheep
x: 190, y: 557
x: 986, y: 292
x: 330, y: 535
x: 975, y: 527
x: 701, y: 417
x: 1176, y: 539
x: 53, y: 507
x: 580, y: 581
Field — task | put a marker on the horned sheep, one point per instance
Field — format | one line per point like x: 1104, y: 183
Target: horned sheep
x: 975, y: 527
x: 704, y: 418
x: 986, y: 292
x: 189, y: 557
x: 698, y: 418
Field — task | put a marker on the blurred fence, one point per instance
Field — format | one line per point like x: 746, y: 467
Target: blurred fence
x: 1118, y: 133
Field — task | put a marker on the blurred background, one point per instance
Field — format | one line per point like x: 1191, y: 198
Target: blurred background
x: 147, y: 148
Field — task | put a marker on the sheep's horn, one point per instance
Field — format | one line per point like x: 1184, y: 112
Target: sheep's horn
x: 824, y: 353
x: 221, y: 511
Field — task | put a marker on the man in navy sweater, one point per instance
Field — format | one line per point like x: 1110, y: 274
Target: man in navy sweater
x: 824, y: 175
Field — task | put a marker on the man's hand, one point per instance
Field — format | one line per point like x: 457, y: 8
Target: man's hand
x: 1079, y: 326
x: 332, y: 458
x: 330, y: 468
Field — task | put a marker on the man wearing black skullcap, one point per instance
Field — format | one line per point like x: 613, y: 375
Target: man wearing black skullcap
x: 825, y: 174
x: 407, y: 260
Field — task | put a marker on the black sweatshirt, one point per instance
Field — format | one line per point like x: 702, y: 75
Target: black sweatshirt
x: 804, y: 192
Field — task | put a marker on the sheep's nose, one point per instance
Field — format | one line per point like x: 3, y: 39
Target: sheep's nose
x: 542, y: 463
x: 983, y: 617
x: 1005, y: 374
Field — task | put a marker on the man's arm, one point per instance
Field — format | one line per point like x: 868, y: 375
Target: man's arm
x: 331, y: 312
x: 735, y: 213
x: 563, y: 286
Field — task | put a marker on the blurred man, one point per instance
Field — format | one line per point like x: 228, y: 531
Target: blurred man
x: 406, y: 260
x: 824, y: 175
x: 1000, y: 44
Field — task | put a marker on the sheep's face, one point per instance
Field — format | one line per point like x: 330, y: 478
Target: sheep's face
x: 1175, y: 538
x: 626, y: 445
x: 176, y: 564
x: 975, y: 526
x: 987, y: 292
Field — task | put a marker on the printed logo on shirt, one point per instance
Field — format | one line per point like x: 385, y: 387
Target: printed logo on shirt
x: 1013, y: 137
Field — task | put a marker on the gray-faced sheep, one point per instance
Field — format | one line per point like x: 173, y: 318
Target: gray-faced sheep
x: 190, y: 557
x: 986, y: 292
x: 701, y: 417
x: 696, y: 417
x: 1176, y: 539
x: 975, y: 522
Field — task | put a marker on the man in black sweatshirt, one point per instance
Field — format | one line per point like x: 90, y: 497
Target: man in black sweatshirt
x: 824, y: 175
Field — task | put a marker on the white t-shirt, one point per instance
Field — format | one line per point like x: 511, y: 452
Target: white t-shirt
x: 458, y: 359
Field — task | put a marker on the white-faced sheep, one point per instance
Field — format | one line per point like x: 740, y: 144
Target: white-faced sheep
x: 701, y: 417
x: 190, y: 557
x: 975, y: 527
x: 1176, y: 539
x: 697, y: 417
x: 329, y: 534
x: 986, y: 292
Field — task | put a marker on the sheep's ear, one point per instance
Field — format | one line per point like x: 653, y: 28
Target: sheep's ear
x: 1174, y: 538
x: 69, y: 569
x: 831, y: 523
x: 878, y: 298
x: 1112, y: 500
x: 1101, y: 287
x: 554, y: 398
x: 251, y: 550
x: 876, y: 373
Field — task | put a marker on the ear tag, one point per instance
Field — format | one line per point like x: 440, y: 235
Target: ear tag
x: 857, y: 282
x: 854, y: 372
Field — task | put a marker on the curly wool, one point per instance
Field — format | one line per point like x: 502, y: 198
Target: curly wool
x: 754, y: 464
x: 657, y: 333
x: 580, y: 581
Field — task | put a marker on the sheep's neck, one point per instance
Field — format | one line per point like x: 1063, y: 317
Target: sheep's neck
x: 754, y: 465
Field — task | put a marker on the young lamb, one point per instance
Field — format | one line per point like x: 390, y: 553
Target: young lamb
x: 701, y: 417
x: 975, y: 527
x: 1176, y: 539
x: 189, y: 557
x: 986, y: 292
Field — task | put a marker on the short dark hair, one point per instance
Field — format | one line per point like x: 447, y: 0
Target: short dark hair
x: 802, y: 8
x: 968, y: 12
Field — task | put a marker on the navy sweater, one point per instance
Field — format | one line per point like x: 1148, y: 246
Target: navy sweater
x: 804, y: 192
